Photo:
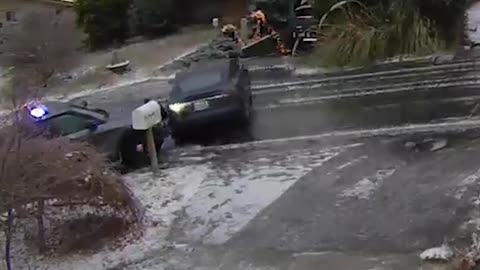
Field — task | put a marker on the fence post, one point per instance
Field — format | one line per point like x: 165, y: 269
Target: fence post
x: 244, y: 29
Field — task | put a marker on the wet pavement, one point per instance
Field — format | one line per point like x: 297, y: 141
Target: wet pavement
x: 327, y: 166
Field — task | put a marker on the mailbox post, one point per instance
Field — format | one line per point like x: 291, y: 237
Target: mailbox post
x: 216, y: 25
x: 145, y: 118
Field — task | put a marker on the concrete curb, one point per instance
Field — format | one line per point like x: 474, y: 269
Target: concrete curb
x: 442, y: 59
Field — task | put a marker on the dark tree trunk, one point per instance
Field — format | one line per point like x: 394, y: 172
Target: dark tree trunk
x: 41, y: 226
x: 8, y: 236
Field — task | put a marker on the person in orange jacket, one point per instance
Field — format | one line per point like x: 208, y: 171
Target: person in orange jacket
x: 230, y: 31
x: 260, y: 20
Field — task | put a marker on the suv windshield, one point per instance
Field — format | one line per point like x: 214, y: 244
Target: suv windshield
x: 200, y: 81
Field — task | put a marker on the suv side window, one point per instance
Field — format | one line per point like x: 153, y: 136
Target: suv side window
x: 68, y: 123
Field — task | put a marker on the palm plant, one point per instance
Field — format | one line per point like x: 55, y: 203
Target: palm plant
x: 358, y: 33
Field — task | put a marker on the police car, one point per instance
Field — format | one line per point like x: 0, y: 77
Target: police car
x: 114, y: 137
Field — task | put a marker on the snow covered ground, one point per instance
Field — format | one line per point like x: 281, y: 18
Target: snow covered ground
x: 473, y: 23
x: 201, y: 197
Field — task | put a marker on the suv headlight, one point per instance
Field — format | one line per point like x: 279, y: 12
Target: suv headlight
x: 178, y: 107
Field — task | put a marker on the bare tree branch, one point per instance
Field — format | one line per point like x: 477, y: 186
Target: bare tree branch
x: 41, y: 46
x: 34, y: 170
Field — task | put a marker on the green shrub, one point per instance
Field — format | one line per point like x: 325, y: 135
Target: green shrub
x: 104, y: 21
x: 109, y: 22
x: 152, y: 17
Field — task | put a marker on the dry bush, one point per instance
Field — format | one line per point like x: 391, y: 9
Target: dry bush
x: 468, y: 258
x: 89, y: 233
x: 47, y: 182
x: 58, y: 169
x: 55, y: 184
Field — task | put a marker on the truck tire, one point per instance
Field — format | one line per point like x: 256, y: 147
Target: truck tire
x: 247, y: 112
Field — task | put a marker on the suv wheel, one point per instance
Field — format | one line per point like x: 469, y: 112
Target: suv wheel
x: 179, y: 138
x: 247, y: 111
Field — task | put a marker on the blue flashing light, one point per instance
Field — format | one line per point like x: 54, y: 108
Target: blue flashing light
x: 38, y: 111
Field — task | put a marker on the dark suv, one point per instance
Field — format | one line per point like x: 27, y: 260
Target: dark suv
x: 209, y: 95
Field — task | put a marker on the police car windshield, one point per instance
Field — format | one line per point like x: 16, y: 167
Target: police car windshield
x: 70, y: 123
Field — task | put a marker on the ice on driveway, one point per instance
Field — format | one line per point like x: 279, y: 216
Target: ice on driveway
x: 468, y: 181
x: 168, y: 193
x: 364, y: 188
x: 234, y: 193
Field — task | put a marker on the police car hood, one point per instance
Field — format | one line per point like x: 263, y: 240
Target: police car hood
x: 120, y: 114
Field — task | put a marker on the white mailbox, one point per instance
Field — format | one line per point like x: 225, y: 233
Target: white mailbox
x: 146, y: 116
x: 215, y: 22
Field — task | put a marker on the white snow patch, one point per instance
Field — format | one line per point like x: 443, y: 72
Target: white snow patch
x: 311, y: 253
x: 119, y: 84
x: 473, y: 223
x: 475, y: 200
x: 404, y: 58
x: 82, y: 71
x: 443, y: 252
x: 465, y: 183
x: 364, y: 188
x: 352, y: 162
x: 309, y: 71
x: 170, y: 192
x: 271, y: 67
x: 473, y: 22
